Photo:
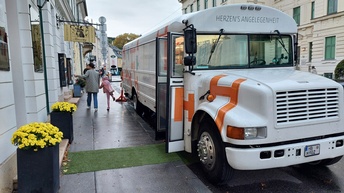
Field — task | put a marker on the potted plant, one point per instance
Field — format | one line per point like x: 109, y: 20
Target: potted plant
x: 61, y: 117
x: 38, y: 157
x: 81, y: 81
x: 78, y: 86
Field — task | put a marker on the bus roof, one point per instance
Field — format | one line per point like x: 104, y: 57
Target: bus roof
x: 233, y: 18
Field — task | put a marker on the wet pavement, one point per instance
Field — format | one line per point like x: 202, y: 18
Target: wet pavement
x: 122, y: 127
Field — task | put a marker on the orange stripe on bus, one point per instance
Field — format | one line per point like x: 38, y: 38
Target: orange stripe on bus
x: 190, y: 106
x: 231, y: 92
x: 178, y: 105
x: 164, y: 33
x: 217, y: 90
x: 136, y: 82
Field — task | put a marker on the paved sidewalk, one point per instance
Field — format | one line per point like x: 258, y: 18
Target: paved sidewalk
x: 121, y: 127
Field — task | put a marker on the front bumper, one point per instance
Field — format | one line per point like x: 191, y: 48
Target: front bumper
x: 252, y: 159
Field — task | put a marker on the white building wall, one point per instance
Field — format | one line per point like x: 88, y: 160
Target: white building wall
x: 7, y: 103
x: 96, y: 51
x: 315, y: 31
x: 186, y: 4
x: 23, y: 99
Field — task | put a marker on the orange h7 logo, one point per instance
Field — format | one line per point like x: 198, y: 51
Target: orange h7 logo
x: 231, y: 92
x: 181, y: 105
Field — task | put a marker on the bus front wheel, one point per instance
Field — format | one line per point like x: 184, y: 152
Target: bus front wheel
x: 212, y: 155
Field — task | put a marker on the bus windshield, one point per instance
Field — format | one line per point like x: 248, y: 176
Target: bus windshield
x: 243, y: 51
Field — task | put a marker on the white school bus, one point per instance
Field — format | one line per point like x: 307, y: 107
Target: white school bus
x: 222, y: 83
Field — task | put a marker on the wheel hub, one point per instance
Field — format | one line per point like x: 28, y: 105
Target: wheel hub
x: 206, y: 150
x: 135, y: 101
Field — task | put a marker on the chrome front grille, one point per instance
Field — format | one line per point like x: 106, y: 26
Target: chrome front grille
x: 306, y: 105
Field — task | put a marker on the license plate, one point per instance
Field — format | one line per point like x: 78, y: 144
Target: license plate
x: 311, y: 150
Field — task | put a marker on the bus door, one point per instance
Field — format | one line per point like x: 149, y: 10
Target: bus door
x: 175, y: 93
x: 161, y: 85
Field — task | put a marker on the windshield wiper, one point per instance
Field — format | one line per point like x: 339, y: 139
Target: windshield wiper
x: 280, y: 40
x: 214, y: 45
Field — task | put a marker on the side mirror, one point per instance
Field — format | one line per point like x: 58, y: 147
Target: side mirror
x: 189, y: 60
x: 190, y: 40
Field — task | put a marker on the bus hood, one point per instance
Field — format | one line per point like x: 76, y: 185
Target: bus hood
x: 265, y: 93
x: 284, y: 78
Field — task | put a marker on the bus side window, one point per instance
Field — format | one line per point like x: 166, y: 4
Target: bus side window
x: 178, y: 56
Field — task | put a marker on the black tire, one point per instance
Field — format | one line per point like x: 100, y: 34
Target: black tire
x: 325, y: 162
x: 331, y: 161
x: 211, y: 153
x: 137, y: 104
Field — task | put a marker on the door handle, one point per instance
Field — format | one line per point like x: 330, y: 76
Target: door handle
x: 179, y: 81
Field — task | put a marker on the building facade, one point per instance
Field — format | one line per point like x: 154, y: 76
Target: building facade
x: 320, y: 28
x: 36, y: 66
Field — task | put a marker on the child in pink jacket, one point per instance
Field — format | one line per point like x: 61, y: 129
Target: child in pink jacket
x: 107, y: 88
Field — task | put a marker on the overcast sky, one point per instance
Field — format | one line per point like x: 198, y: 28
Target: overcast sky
x: 132, y: 16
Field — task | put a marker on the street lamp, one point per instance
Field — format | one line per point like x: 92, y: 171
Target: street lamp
x: 40, y: 5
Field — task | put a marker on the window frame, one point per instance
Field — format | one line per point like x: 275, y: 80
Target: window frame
x: 330, y: 48
x: 332, y: 7
x: 36, y: 39
x: 297, y: 15
x: 312, y: 9
x: 310, y: 51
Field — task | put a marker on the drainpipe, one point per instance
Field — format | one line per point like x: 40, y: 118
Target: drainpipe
x: 80, y: 54
x: 43, y: 52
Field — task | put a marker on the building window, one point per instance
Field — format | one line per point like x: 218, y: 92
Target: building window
x: 191, y: 8
x: 328, y: 75
x: 222, y: 1
x: 332, y: 6
x: 296, y: 15
x: 310, y: 51
x: 312, y: 11
x: 330, y: 45
x: 205, y: 4
x: 36, y: 40
x: 198, y: 5
x: 214, y: 3
x: 185, y: 11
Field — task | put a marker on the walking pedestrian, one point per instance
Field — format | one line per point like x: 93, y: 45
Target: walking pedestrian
x: 92, y: 86
x: 86, y: 68
x: 108, y: 90
x: 314, y: 70
x: 102, y: 71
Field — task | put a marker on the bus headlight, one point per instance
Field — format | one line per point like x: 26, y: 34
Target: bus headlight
x: 246, y: 132
x: 251, y: 132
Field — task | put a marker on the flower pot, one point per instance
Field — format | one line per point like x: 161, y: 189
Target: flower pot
x: 38, y: 171
x: 77, y: 90
x: 64, y: 121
